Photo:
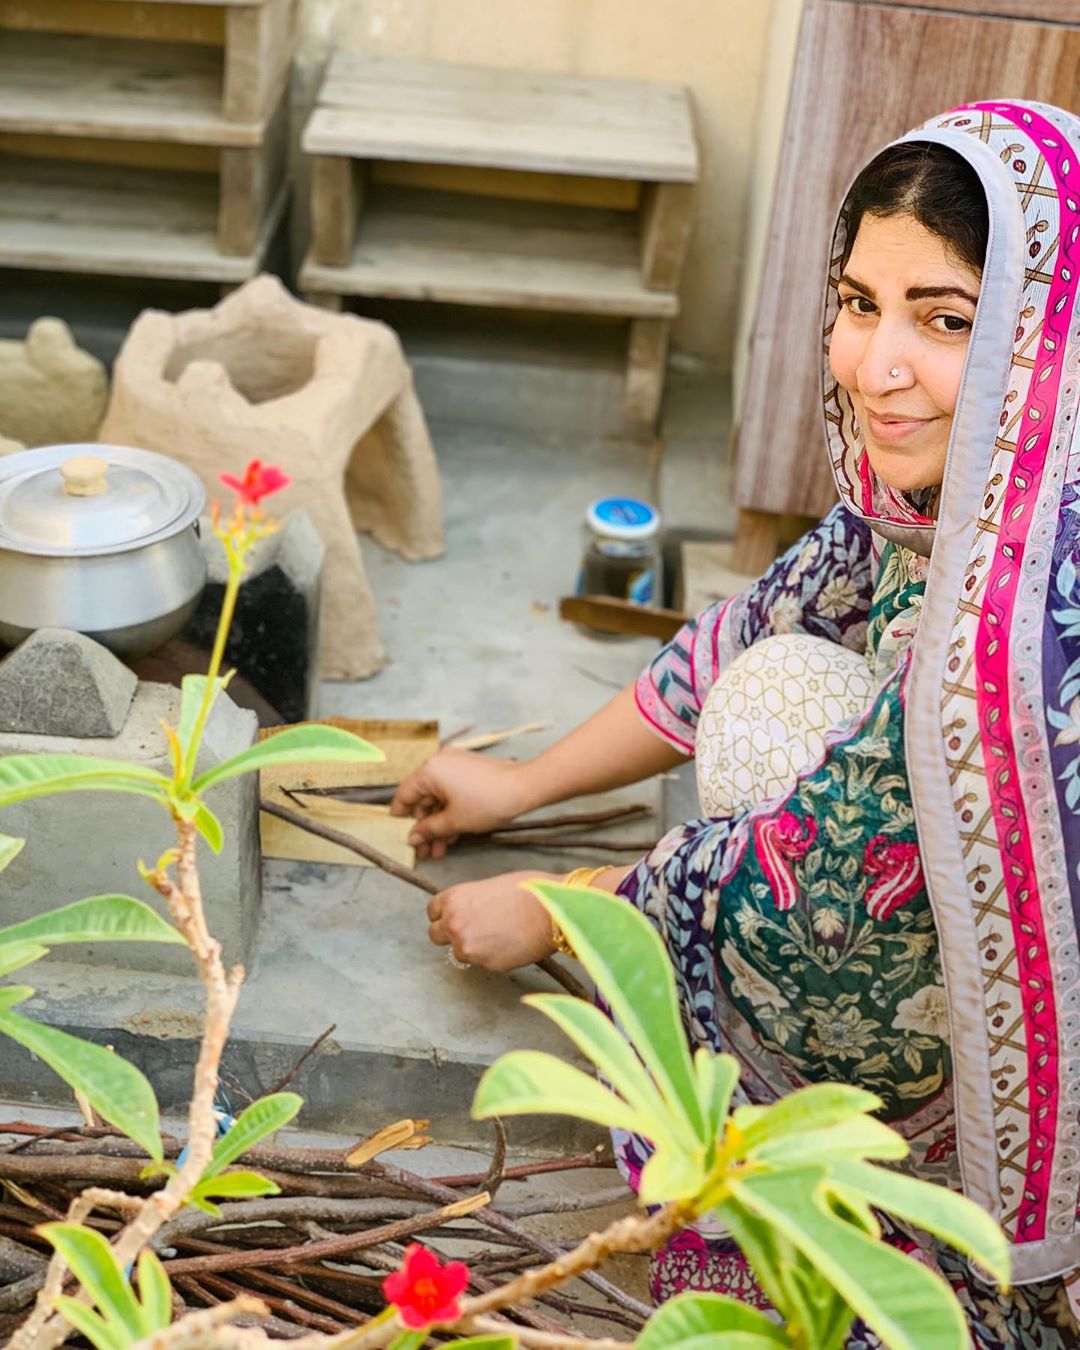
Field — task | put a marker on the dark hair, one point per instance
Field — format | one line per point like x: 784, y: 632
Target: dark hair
x: 932, y: 183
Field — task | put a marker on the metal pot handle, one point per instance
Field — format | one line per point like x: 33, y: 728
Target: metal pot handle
x: 84, y: 476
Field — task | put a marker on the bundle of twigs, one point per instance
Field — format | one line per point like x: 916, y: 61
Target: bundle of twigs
x: 315, y: 1254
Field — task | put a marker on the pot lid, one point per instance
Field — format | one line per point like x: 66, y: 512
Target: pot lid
x: 80, y: 500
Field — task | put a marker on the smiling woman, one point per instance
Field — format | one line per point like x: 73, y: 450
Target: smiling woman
x: 897, y: 905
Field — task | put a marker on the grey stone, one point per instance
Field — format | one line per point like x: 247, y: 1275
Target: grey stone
x: 89, y: 843
x: 274, y: 639
x: 60, y: 683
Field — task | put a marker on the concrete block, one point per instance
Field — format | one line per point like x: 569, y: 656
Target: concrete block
x: 274, y: 640
x: 51, y: 392
x: 88, y: 843
x: 60, y: 683
x: 328, y: 397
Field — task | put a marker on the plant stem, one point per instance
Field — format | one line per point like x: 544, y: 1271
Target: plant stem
x: 228, y: 608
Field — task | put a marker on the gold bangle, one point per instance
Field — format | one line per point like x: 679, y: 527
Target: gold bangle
x: 580, y: 876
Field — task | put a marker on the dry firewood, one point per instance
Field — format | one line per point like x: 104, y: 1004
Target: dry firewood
x: 17, y: 1260
x: 570, y: 819
x: 554, y: 843
x: 598, y: 1157
x: 547, y: 964
x: 316, y: 1251
x: 287, y: 1209
x: 287, y: 1078
x: 493, y: 1219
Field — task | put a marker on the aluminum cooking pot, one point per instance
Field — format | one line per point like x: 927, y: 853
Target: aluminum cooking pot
x: 102, y: 539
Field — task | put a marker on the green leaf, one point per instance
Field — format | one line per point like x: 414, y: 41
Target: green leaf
x: 91, y: 1261
x: 811, y: 1108
x: 716, y: 1076
x: 101, y: 1334
x: 908, y: 1306
x: 694, y: 1314
x: 758, y: 1244
x: 629, y: 963
x: 527, y: 1081
x: 192, y: 689
x: 730, y: 1340
x: 233, y: 1186
x: 860, y: 1137
x: 101, y: 918
x: 949, y: 1216
x: 113, y: 1087
x: 10, y: 847
x: 408, y: 1340
x: 209, y: 827
x: 11, y: 994
x: 23, y: 777
x: 14, y: 955
x: 598, y: 1038
x: 296, y: 745
x: 261, y: 1118
x: 673, y: 1173
x: 155, y: 1293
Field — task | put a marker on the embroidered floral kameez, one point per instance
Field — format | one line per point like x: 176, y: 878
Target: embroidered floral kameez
x: 902, y: 916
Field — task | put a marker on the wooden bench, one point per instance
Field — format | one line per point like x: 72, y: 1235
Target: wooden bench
x: 143, y: 137
x: 473, y: 186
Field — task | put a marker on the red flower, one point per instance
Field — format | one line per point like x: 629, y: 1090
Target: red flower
x: 423, y: 1291
x: 259, y: 481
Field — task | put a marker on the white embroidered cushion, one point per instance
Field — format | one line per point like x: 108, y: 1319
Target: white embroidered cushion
x: 765, y: 718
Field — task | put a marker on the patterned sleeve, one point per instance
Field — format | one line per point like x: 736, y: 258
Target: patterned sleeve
x: 823, y: 585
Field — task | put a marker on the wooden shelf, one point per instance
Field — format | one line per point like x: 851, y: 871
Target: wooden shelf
x: 445, y: 114
x: 116, y: 88
x: 67, y: 217
x: 418, y: 245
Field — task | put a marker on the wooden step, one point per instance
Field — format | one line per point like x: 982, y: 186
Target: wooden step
x: 418, y: 245
x: 111, y: 87
x: 68, y: 217
x: 371, y: 108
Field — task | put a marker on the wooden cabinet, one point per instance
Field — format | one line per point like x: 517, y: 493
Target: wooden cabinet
x: 864, y: 73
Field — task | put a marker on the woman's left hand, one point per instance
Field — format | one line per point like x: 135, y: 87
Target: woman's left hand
x: 494, y: 923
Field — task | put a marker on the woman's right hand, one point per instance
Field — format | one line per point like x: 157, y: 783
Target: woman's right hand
x: 459, y: 792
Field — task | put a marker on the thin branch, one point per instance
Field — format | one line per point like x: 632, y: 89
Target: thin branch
x: 552, y: 968
x: 286, y: 1079
x: 597, y: 1158
x: 496, y: 1173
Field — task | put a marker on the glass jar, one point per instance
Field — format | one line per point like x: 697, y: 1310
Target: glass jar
x: 621, y: 556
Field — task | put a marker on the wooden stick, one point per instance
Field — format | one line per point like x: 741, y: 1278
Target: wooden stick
x: 557, y: 844
x: 490, y: 738
x: 572, y: 818
x: 554, y: 969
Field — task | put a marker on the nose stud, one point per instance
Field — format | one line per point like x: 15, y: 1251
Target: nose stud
x: 895, y: 372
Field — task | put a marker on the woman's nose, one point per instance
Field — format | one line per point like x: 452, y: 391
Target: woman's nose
x: 884, y: 366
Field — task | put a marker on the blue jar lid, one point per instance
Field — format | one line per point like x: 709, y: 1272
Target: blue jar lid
x: 623, y: 518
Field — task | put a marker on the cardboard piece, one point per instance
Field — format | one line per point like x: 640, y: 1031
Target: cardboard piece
x: 406, y: 745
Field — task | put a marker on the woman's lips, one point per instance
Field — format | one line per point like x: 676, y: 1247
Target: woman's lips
x: 896, y: 428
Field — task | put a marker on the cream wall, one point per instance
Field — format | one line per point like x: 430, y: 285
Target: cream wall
x: 715, y: 47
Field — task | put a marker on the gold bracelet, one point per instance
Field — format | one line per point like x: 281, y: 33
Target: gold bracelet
x: 580, y: 876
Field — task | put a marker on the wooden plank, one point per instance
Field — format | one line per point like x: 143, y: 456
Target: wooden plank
x: 336, y: 198
x: 667, y: 218
x: 202, y: 23
x: 63, y: 85
x: 757, y: 539
x: 372, y: 825
x: 415, y: 111
x: 845, y: 104
x: 1059, y: 11
x: 646, y: 368
x: 406, y: 744
x: 707, y: 574
x: 64, y: 217
x: 133, y: 154
x: 608, y: 615
x: 419, y: 246
x: 610, y: 194
x: 251, y: 179
x: 259, y: 42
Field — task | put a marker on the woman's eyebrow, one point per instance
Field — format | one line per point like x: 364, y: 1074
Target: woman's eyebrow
x: 934, y: 292
x: 845, y: 280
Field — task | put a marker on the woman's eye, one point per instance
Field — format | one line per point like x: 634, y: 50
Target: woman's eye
x: 951, y: 323
x: 853, y: 304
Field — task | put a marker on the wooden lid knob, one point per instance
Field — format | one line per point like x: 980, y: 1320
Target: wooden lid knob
x: 84, y: 476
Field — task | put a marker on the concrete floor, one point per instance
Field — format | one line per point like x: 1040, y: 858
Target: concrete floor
x: 473, y: 638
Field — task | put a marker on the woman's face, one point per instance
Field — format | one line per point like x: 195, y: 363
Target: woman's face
x: 906, y: 305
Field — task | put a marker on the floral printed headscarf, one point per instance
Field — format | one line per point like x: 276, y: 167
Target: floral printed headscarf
x: 993, y: 701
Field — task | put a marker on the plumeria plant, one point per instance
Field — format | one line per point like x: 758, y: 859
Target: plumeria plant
x: 799, y: 1183
x: 116, y: 1090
